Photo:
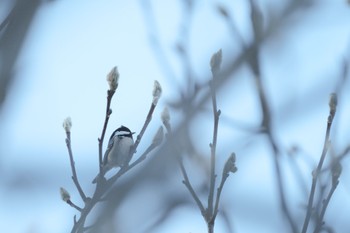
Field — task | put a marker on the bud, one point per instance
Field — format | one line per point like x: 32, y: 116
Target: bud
x: 333, y: 101
x: 166, y: 118
x: 215, y: 61
x: 230, y: 165
x: 113, y: 79
x: 67, y: 124
x: 158, y: 137
x: 64, y: 195
x: 157, y: 92
x: 336, y: 171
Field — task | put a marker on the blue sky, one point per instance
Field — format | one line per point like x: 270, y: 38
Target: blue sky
x: 70, y: 48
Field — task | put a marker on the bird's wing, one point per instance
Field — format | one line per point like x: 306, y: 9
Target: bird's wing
x: 109, y: 147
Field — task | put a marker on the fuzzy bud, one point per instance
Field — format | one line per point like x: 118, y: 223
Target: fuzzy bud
x: 230, y: 165
x: 336, y: 171
x: 157, y: 92
x: 166, y: 118
x: 67, y: 124
x: 215, y: 61
x: 158, y: 137
x: 113, y: 79
x: 333, y: 101
x: 64, y: 195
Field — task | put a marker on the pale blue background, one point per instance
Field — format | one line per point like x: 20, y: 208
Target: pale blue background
x: 61, y: 72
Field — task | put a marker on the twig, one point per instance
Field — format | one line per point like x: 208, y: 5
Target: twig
x: 325, y: 203
x: 218, y: 194
x: 266, y: 124
x: 69, y: 202
x: 216, y: 114
x: 110, y: 94
x: 187, y: 183
x: 147, y: 121
x: 72, y: 164
x: 317, y: 171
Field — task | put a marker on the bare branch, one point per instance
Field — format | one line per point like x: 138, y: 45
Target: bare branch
x: 316, y: 172
x: 72, y: 164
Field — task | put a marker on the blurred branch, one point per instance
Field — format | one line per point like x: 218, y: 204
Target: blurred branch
x: 209, y: 214
x: 13, y: 31
x: 188, y: 185
x: 215, y: 66
x: 231, y: 24
x: 336, y: 171
x: 256, y: 18
x: 316, y: 172
x: 151, y: 25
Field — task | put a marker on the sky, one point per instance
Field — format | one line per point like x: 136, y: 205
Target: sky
x: 61, y: 72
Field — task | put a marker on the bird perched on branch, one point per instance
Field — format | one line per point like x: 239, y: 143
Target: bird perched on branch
x: 118, y: 150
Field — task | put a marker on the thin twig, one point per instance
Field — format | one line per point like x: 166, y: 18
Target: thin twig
x: 325, y: 203
x: 188, y: 185
x: 147, y: 121
x: 317, y: 171
x: 69, y: 202
x: 72, y: 164
x: 216, y: 114
x: 110, y: 94
x: 218, y: 194
x: 266, y: 124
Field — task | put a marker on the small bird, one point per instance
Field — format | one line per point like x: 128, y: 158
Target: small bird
x: 118, y: 150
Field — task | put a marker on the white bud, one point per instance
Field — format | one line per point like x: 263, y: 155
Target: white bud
x: 333, y: 101
x: 64, y: 195
x: 157, y: 92
x: 113, y: 79
x: 158, y: 137
x: 165, y: 116
x: 336, y: 170
x: 67, y: 124
x: 230, y: 165
x: 215, y: 61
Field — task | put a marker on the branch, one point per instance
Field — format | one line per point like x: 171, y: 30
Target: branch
x: 110, y: 94
x: 187, y: 183
x: 253, y: 60
x: 103, y: 186
x: 72, y: 164
x: 230, y: 166
x: 215, y: 63
x: 113, y: 82
x: 315, y: 173
x: 145, y: 125
x: 157, y: 91
x: 325, y: 203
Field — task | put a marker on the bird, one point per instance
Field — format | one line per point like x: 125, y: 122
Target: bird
x: 118, y: 150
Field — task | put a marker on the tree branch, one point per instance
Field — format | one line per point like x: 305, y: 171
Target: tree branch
x: 72, y: 164
x: 188, y: 185
x: 110, y: 94
x: 316, y: 172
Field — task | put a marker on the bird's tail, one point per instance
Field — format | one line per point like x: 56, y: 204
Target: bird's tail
x: 100, y: 175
